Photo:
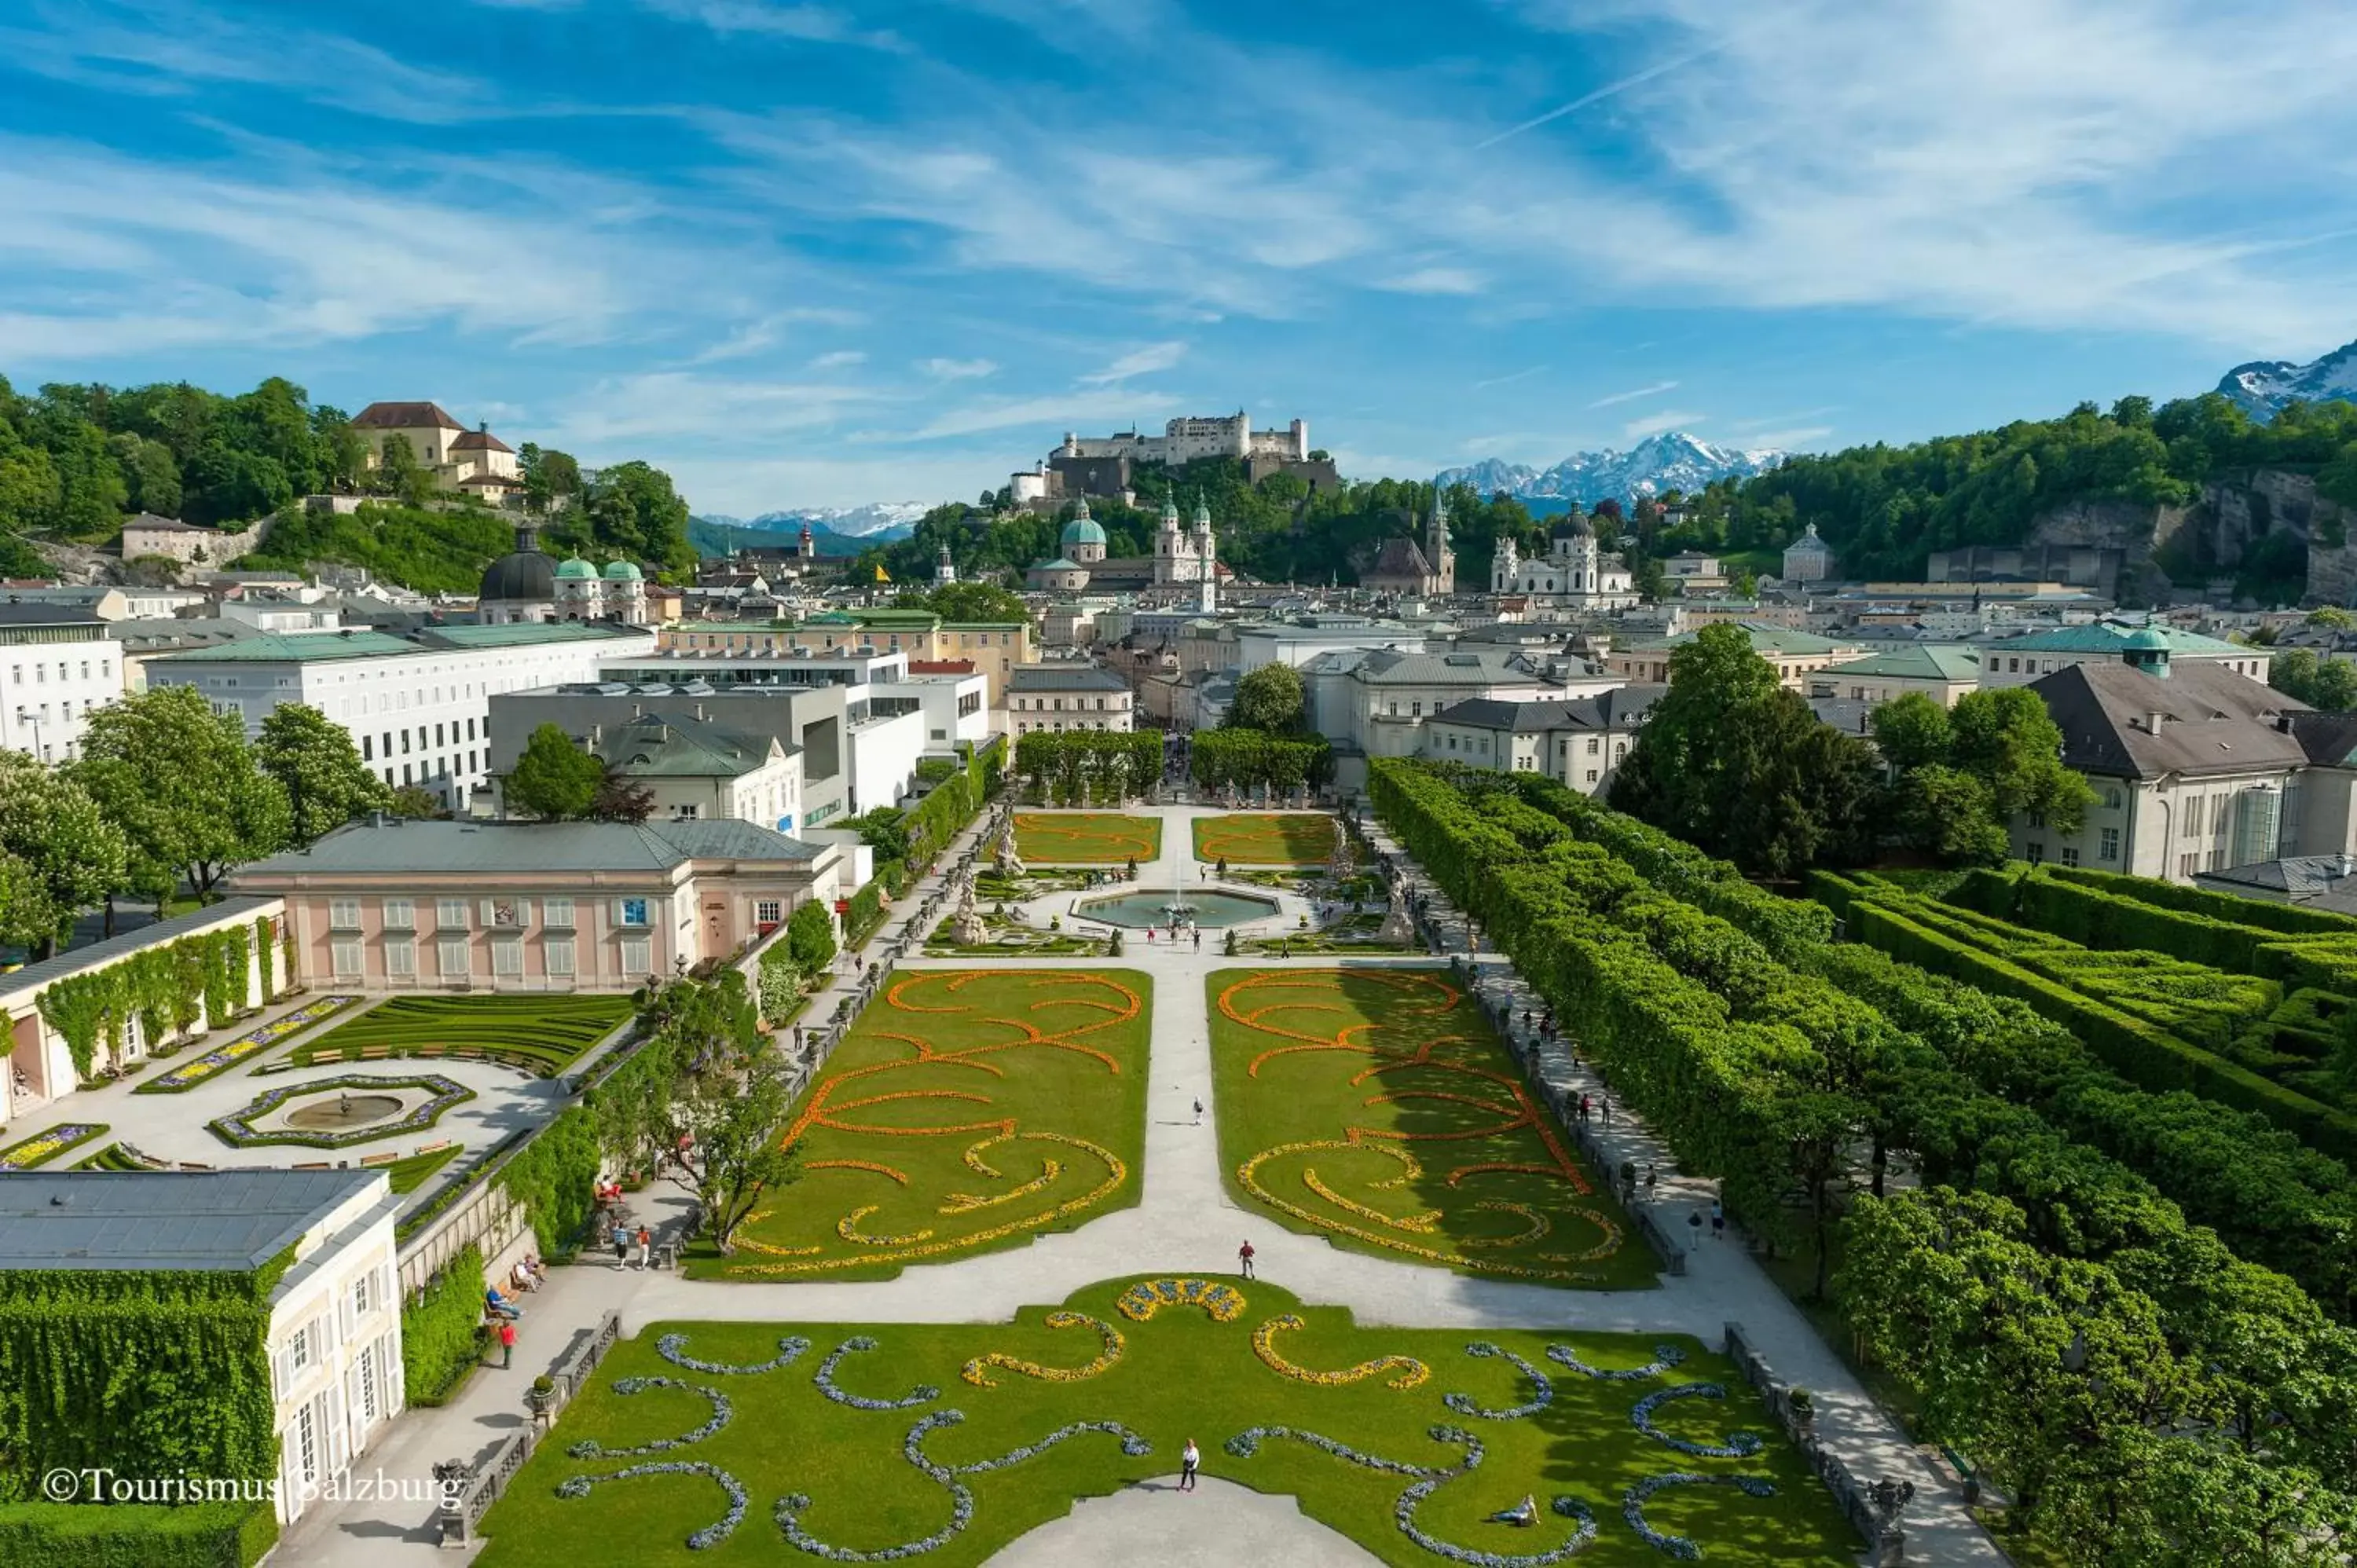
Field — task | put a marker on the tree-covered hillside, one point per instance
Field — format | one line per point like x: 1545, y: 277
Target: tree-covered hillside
x: 75, y: 460
x: 1884, y: 508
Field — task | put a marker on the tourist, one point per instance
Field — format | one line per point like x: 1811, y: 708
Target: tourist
x: 1191, y: 1459
x: 499, y: 1305
x: 520, y: 1277
x: 646, y: 1246
x: 1525, y: 1513
x: 536, y: 1269
x: 1150, y: 936
x: 1584, y: 1105
x: 1245, y: 1259
x: 507, y: 1345
x: 1606, y: 1103
x: 1717, y: 1221
x: 622, y: 1246
x: 1198, y: 1113
x: 1652, y: 1181
x: 1198, y: 938
x: 1693, y: 1231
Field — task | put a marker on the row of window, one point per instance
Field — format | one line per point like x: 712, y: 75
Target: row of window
x: 1025, y: 727
x: 65, y: 671
x: 368, y: 742
x: 1080, y: 704
x: 2108, y: 848
x: 458, y: 914
x: 454, y: 957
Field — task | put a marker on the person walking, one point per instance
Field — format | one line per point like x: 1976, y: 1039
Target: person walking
x: 507, y: 1343
x: 1585, y: 1104
x: 1693, y: 1231
x: 1198, y: 938
x: 1245, y: 1259
x: 1606, y: 1103
x: 1198, y: 1113
x: 1191, y: 1459
x: 1652, y: 1181
x: 622, y: 1246
x: 1717, y: 1221
x: 646, y: 1246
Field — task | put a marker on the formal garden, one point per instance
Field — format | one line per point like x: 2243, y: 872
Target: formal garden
x: 541, y: 1033
x: 748, y: 1442
x: 1376, y: 1107
x: 1086, y: 838
x: 969, y: 1110
x: 1264, y: 838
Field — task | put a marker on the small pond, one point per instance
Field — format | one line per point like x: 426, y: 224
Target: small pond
x: 1211, y: 910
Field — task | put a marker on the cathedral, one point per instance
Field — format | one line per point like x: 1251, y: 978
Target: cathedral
x: 1183, y: 557
x: 1574, y: 571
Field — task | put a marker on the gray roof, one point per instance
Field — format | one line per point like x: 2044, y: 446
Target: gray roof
x: 114, y: 949
x: 1071, y: 677
x: 492, y: 848
x: 223, y: 1220
x: 1619, y: 709
x: 2299, y: 878
x: 46, y: 613
x: 1388, y: 667
x: 672, y: 745
x: 161, y: 635
x: 2213, y: 721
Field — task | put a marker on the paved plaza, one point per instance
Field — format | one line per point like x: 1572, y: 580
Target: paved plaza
x: 1184, y: 1223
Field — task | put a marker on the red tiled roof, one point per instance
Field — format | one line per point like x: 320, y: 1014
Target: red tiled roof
x: 480, y: 441
x: 501, y: 481
x: 940, y: 666
x: 405, y: 416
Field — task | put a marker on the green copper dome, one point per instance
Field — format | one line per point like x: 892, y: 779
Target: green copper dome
x: 575, y: 569
x: 1083, y: 529
x: 622, y: 572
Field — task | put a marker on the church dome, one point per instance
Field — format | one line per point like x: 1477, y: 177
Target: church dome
x: 1574, y: 525
x: 575, y: 569
x: 622, y: 572
x: 525, y: 574
x: 1083, y: 529
x: 2148, y: 639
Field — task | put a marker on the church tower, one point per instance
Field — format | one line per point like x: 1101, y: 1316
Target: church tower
x: 1207, y: 586
x: 1165, y: 543
x: 1437, y: 553
x: 1503, y: 565
x: 945, y: 571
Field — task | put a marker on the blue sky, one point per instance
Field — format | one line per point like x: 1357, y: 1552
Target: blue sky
x: 809, y: 253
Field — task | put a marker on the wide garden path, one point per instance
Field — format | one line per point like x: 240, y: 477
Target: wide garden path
x: 1184, y: 1222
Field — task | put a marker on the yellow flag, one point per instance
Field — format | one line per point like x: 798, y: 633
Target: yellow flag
x: 881, y: 575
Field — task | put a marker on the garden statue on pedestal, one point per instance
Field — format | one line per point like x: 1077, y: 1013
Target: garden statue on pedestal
x: 1009, y: 864
x: 1397, y: 927
x: 965, y: 926
x: 1339, y: 867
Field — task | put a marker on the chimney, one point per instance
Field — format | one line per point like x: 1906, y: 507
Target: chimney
x: 2152, y: 723
x: 376, y: 819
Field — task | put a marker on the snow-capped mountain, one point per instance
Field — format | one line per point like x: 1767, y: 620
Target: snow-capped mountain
x: 1670, y: 461
x: 879, y: 520
x: 2264, y: 386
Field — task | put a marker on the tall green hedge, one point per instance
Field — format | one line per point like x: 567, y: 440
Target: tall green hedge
x: 137, y: 1535
x: 2289, y: 918
x: 554, y: 1176
x: 167, y: 988
x: 441, y: 1340
x: 147, y: 1373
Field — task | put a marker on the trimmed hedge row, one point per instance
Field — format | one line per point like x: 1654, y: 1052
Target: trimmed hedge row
x: 2289, y: 918
x: 441, y: 1331
x: 138, y: 1535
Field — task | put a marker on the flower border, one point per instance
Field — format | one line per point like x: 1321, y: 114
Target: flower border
x: 1464, y: 1404
x: 1143, y: 1300
x: 221, y: 1059
x: 42, y: 1147
x: 722, y: 1413
x: 1632, y: 1506
x: 711, y: 1534
x: 237, y: 1129
x: 976, y: 1374
x: 1411, y: 1372
x: 1664, y: 1358
x: 1738, y: 1445
x: 823, y: 1379
x: 671, y: 1348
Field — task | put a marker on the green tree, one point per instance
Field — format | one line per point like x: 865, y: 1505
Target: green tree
x: 977, y: 602
x: 1951, y: 814
x: 2006, y: 738
x: 184, y: 786
x: 554, y: 778
x: 810, y: 937
x: 149, y: 470
x: 71, y: 856
x: 225, y: 485
x: 633, y: 511
x: 551, y: 478
x: 1269, y: 699
x: 400, y: 474
x: 2320, y: 681
x: 413, y: 804
x: 315, y: 761
x: 2331, y: 616
x: 1911, y: 731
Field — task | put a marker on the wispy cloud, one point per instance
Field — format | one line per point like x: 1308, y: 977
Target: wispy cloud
x: 1633, y: 393
x: 957, y: 370
x: 1798, y: 438
x: 1137, y: 362
x: 1654, y: 423
x: 1610, y: 90
x: 808, y: 24
x: 1053, y: 412
x: 1509, y: 379
x: 1435, y: 280
x: 838, y: 360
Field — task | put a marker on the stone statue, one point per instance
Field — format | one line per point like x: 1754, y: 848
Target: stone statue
x: 1009, y: 864
x: 1397, y: 927
x: 967, y: 926
x: 1340, y: 866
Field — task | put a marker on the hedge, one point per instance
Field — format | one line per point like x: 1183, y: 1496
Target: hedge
x: 138, y: 1535
x: 441, y: 1331
x: 554, y: 1176
x: 2289, y: 918
x: 2141, y: 1052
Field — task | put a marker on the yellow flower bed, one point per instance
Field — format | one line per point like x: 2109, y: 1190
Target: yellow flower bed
x: 1411, y: 1371
x: 1146, y: 1297
x: 975, y: 1371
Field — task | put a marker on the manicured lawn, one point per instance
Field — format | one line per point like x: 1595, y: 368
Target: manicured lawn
x: 971, y: 1110
x: 542, y: 1034
x: 1085, y: 838
x: 411, y: 1171
x: 1376, y: 1107
x: 1180, y: 1373
x: 110, y: 1159
x: 1265, y: 838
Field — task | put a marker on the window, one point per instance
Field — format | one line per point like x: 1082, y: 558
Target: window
x: 298, y: 1351
x: 307, y: 1446
x: 2070, y: 855
x: 2036, y: 853
x: 404, y: 742
x: 450, y: 914
x: 368, y: 751
x: 769, y: 912
x: 437, y: 735
x: 2110, y: 846
x: 400, y: 914
x: 347, y: 955
x: 687, y: 812
x: 1591, y: 776
x: 556, y: 912
x: 400, y: 958
x: 2193, y: 826
x: 1593, y: 745
x: 507, y: 957
x: 2111, y: 800
x: 556, y: 955
x: 450, y: 957
x: 343, y: 914
x: 2037, y: 819
x: 2187, y: 865
x: 364, y: 1299
x: 638, y: 956
x: 630, y: 911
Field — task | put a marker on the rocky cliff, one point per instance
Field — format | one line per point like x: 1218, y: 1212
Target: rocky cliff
x: 2216, y: 536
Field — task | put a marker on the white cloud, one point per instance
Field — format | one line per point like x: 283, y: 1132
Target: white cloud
x: 808, y: 24
x: 1509, y: 378
x: 1802, y: 438
x: 749, y: 486
x: 1633, y: 393
x: 957, y: 370
x: 689, y: 409
x: 840, y: 357
x: 1654, y: 423
x: 1056, y: 411
x: 1137, y: 362
x: 1435, y: 280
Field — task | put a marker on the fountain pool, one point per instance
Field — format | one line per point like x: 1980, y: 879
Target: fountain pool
x: 1211, y: 910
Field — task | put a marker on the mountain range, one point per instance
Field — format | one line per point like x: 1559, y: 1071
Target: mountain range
x: 835, y: 530
x: 2264, y: 386
x: 1672, y: 460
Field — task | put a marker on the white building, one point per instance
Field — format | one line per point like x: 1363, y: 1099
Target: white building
x: 1059, y: 697
x: 1184, y: 440
x: 418, y: 707
x: 1808, y: 559
x: 333, y: 1345
x: 1379, y: 701
x: 1187, y: 556
x: 1303, y: 638
x: 1575, y: 572
x: 472, y: 462
x: 1578, y: 743
x: 2018, y: 660
x: 59, y: 666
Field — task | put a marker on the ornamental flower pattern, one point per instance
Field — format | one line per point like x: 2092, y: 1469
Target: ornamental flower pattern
x: 790, y: 1508
x: 1738, y: 1446
x: 1664, y: 1358
x: 189, y: 1074
x: 1429, y: 1479
x: 237, y: 1130
x: 1146, y: 1297
x: 671, y: 1348
x: 923, y: 1393
x: 722, y: 1412
x: 1464, y: 1404
x: 1411, y: 1372
x: 43, y: 1147
x: 1632, y: 1506
x: 977, y: 1370
x: 711, y: 1534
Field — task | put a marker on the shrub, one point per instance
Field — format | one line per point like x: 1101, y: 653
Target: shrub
x: 135, y: 1535
x: 441, y: 1339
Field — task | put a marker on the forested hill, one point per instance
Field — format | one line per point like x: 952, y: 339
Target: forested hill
x: 75, y: 460
x: 1885, y: 508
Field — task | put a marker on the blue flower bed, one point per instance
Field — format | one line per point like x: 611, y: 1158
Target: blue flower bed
x: 1738, y: 1446
x: 590, y: 1448
x: 1664, y: 1358
x: 1632, y: 1505
x: 711, y: 1534
x: 923, y: 1393
x: 1463, y: 1405
x: 671, y: 1348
